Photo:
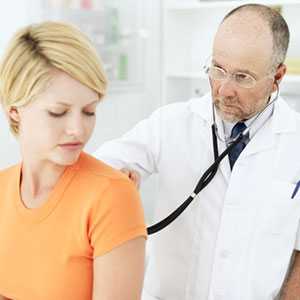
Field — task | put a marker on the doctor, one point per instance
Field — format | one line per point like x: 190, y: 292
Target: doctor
x: 236, y: 240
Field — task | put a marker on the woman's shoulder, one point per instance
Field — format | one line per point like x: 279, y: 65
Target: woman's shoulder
x: 8, y: 173
x: 97, y: 170
x: 99, y: 181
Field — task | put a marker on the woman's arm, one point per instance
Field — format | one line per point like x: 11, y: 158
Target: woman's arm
x: 119, y: 274
x: 291, y: 288
x: 3, y: 298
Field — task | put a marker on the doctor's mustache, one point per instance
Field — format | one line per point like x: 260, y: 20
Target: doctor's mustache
x: 228, y: 101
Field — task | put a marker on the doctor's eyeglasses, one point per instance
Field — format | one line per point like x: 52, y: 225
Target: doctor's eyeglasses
x: 241, y: 79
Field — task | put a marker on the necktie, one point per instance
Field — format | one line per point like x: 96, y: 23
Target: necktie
x: 236, y: 151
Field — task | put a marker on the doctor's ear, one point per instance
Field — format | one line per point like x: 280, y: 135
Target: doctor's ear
x: 280, y: 72
x: 13, y: 114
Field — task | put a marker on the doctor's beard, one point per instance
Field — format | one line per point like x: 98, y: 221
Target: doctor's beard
x: 231, y: 110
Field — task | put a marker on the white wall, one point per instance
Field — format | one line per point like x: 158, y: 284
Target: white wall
x: 13, y: 14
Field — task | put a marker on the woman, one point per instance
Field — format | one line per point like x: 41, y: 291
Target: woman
x: 70, y: 226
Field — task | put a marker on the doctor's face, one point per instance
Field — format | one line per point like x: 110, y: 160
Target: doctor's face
x: 56, y: 126
x: 242, y: 50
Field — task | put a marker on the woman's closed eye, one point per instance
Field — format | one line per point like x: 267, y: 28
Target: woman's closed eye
x: 89, y: 113
x: 61, y: 114
x: 57, y: 114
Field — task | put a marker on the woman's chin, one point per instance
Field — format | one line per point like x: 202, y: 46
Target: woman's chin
x: 66, y: 159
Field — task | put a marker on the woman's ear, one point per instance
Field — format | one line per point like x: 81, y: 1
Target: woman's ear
x: 14, y: 114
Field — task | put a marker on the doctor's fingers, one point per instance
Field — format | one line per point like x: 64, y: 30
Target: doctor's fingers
x: 134, y: 176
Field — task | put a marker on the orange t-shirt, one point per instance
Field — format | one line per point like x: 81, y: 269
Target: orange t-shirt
x: 47, y: 253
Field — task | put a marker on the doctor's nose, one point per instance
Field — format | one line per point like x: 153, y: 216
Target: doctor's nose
x: 226, y: 88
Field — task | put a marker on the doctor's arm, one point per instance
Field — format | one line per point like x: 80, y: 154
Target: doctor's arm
x: 137, y: 150
x: 291, y: 287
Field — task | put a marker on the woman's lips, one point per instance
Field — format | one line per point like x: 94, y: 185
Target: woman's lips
x: 71, y: 146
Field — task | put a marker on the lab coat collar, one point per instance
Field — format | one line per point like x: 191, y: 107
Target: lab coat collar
x: 282, y: 121
x: 284, y: 118
x: 203, y: 107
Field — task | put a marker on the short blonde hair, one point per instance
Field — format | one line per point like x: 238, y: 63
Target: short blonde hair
x: 25, y: 70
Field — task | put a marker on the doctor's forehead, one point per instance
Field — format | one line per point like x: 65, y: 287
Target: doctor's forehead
x: 244, y: 33
x: 246, y: 23
x: 242, y: 49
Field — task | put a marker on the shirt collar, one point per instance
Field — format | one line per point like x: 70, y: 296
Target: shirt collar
x: 283, y: 118
x: 255, y: 123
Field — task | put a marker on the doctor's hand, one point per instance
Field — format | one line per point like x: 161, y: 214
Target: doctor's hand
x: 133, y: 175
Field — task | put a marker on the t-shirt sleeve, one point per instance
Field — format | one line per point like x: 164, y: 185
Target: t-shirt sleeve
x: 116, y: 218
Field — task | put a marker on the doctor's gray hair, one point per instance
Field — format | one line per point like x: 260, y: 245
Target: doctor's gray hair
x: 278, y: 27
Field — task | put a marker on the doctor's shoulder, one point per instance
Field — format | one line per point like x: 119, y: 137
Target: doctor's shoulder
x: 297, y: 117
x: 294, y: 120
x: 290, y: 140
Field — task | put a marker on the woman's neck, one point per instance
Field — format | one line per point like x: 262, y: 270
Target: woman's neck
x: 38, y: 178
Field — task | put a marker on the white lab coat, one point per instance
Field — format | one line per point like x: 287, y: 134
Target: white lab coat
x: 236, y: 239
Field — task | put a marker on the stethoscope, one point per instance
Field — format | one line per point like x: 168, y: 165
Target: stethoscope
x: 210, y: 173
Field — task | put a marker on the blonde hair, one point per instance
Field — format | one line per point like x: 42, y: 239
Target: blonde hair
x: 25, y: 70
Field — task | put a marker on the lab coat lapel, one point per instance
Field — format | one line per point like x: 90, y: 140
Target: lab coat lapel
x: 203, y: 107
x: 282, y: 121
x: 224, y: 165
x: 263, y: 140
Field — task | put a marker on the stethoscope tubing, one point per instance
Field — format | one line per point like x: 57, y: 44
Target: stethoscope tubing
x: 205, y: 179
x: 209, y: 174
